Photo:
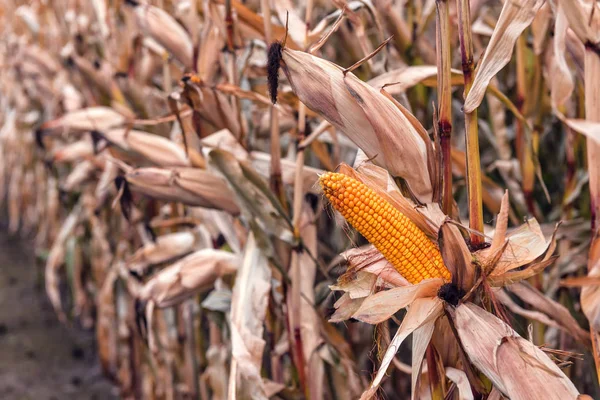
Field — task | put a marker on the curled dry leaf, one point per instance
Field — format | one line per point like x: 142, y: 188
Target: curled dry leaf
x: 369, y: 260
x: 525, y: 244
x: 514, y: 18
x: 461, y: 381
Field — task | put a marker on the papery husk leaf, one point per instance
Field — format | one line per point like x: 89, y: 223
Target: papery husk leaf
x: 87, y: 119
x: 421, y: 339
x: 421, y: 312
x: 192, y: 274
x: 361, y: 284
x: 462, y: 383
x: 515, y: 17
x: 525, y: 244
x: 248, y: 310
x: 163, y: 28
x: 515, y: 276
x: 345, y: 307
x: 369, y: 259
x: 456, y: 256
x: 381, y: 306
x: 159, y: 150
x: 516, y: 367
x: 364, y: 115
x: 165, y: 248
x: 191, y: 186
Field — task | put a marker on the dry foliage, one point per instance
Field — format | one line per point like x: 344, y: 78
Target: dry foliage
x: 166, y: 157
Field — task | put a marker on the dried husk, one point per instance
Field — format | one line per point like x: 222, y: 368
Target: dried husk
x: 367, y: 117
x: 164, y: 249
x: 515, y: 366
x: 163, y: 28
x: 87, y: 119
x: 158, y: 150
x: 191, y: 186
x: 421, y: 314
x: 192, y: 274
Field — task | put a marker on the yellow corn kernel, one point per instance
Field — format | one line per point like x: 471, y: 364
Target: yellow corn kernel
x: 400, y: 241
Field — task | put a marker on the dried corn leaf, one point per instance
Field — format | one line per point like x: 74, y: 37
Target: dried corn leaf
x: 256, y: 200
x: 190, y: 275
x: 164, y: 249
x: 515, y: 17
x: 421, y: 314
x: 400, y: 80
x: 56, y: 258
x: 461, y: 381
x: 248, y: 310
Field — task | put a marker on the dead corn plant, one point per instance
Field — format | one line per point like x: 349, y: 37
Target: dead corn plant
x: 177, y: 188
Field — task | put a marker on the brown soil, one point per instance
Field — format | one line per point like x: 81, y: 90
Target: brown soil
x: 40, y: 358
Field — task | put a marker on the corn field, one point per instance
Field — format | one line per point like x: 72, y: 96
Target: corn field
x: 318, y: 199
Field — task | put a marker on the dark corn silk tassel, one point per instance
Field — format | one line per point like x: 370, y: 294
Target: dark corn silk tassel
x: 451, y: 293
x: 126, y: 198
x: 39, y: 138
x: 275, y: 53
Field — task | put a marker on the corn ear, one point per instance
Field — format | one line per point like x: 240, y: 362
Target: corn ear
x: 401, y: 242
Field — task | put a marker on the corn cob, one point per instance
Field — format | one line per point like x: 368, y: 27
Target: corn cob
x: 400, y: 241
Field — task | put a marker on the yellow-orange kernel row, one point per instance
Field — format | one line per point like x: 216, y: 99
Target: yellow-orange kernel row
x: 400, y: 241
